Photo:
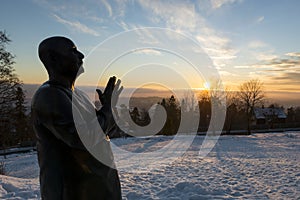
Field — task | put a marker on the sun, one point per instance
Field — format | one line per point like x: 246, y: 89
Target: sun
x: 206, y: 85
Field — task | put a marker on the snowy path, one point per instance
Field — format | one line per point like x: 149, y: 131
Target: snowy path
x: 260, y: 166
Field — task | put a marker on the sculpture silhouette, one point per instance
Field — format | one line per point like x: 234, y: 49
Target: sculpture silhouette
x: 67, y: 169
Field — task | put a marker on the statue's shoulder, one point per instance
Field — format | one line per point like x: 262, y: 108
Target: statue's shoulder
x: 49, y: 95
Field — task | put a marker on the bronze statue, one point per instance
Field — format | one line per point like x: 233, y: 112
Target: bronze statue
x: 68, y: 171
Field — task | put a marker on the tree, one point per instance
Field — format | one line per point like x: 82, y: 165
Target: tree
x: 20, y: 118
x: 189, y: 102
x: 135, y: 115
x: 218, y: 106
x: 189, y: 113
x: 9, y: 83
x: 233, y: 111
x: 204, y: 104
x: 144, y: 117
x: 212, y: 106
x: 291, y: 115
x: 173, y: 110
x: 251, y: 94
x: 173, y: 115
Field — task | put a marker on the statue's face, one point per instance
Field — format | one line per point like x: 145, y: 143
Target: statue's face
x: 69, y: 58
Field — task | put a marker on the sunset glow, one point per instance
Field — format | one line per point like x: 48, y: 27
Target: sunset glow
x: 243, y: 40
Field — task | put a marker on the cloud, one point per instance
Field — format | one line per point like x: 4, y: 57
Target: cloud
x: 256, y: 44
x: 219, y: 3
x: 260, y: 19
x: 285, y: 71
x: 184, y: 18
x: 216, y: 46
x: 148, y: 52
x: 226, y: 73
x: 293, y: 54
x: 285, y: 63
x: 76, y: 26
x: 265, y: 56
x: 175, y: 14
x: 261, y: 51
x: 275, y: 65
x: 289, y: 76
x: 123, y: 25
x: 108, y: 7
x: 146, y: 36
x: 101, y: 12
x: 242, y: 66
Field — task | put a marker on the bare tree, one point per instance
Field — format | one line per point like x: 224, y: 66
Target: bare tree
x: 251, y: 94
x: 189, y: 102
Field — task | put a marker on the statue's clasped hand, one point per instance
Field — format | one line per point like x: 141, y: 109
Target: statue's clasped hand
x: 111, y: 92
x: 109, y: 99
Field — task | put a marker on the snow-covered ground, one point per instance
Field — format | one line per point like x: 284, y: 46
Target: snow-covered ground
x: 260, y: 166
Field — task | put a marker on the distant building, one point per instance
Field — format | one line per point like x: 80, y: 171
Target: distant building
x: 272, y: 115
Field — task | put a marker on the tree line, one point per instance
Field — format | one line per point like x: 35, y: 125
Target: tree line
x: 239, y: 111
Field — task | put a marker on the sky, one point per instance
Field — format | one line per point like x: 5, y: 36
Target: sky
x: 173, y: 44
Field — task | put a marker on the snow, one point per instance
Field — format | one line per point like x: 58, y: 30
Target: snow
x: 260, y: 166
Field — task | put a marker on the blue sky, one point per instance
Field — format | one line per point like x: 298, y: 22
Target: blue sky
x: 245, y: 39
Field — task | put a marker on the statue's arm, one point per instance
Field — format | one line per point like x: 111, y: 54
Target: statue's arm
x: 53, y: 110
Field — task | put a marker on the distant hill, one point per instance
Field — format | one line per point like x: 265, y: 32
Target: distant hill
x: 143, y: 102
x: 140, y: 102
x: 287, y: 99
x: 30, y: 89
x: 148, y: 97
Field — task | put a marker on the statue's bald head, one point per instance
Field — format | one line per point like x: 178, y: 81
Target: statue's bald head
x: 51, y: 46
x: 60, y: 56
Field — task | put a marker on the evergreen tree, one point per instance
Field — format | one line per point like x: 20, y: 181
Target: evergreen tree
x: 205, y: 111
x: 20, y: 119
x: 9, y: 83
x: 173, y: 116
x: 135, y: 115
x: 145, y: 118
